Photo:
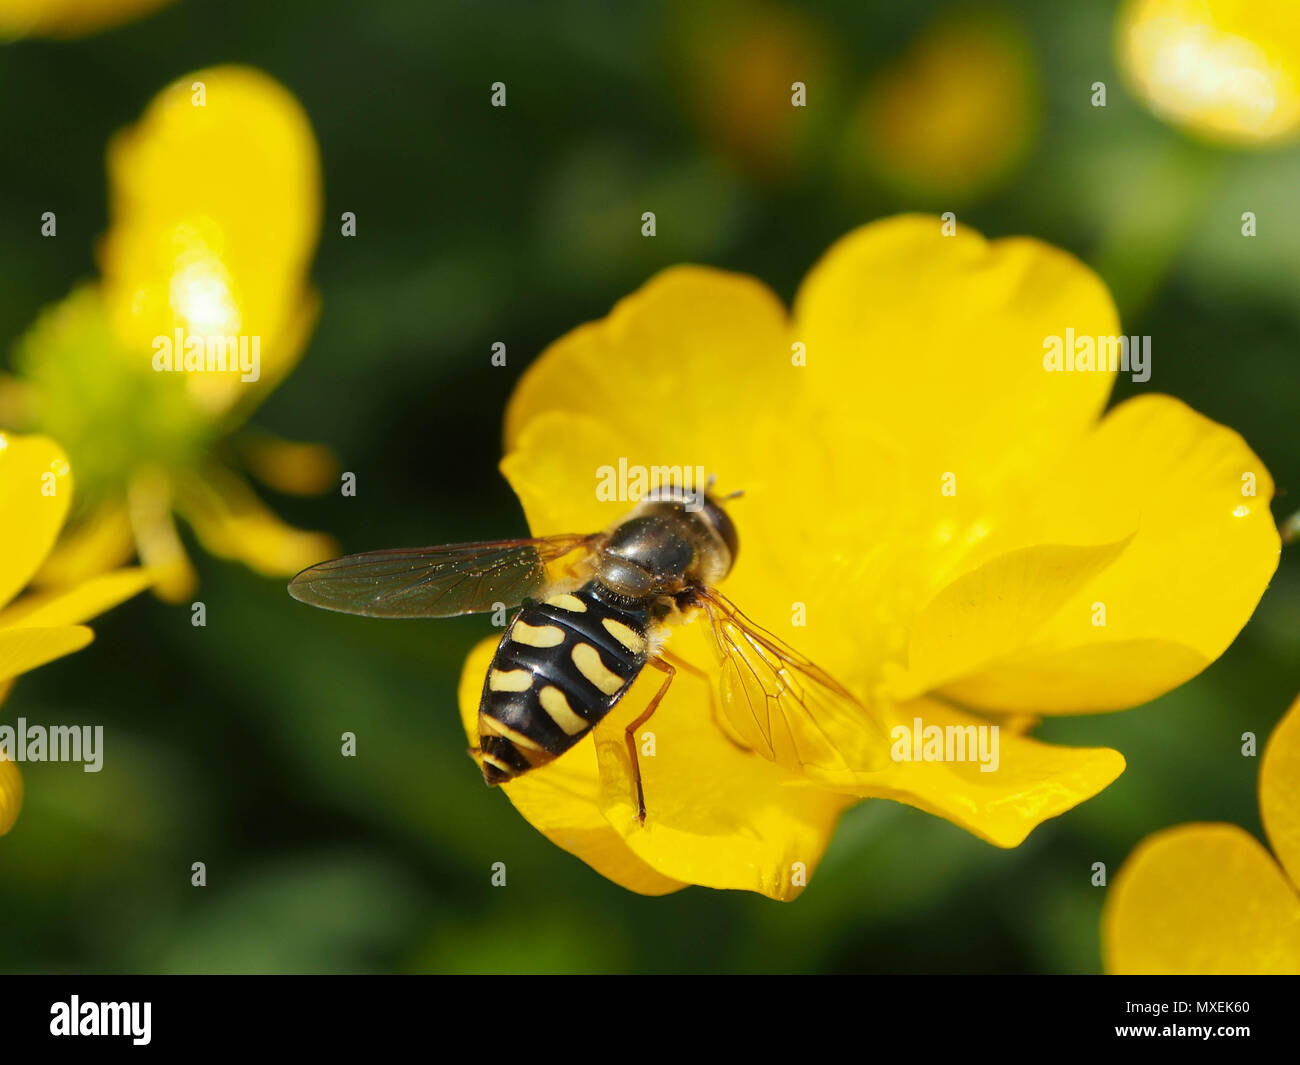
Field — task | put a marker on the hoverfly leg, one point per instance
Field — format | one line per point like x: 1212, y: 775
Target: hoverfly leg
x: 685, y: 666
x: 629, y: 733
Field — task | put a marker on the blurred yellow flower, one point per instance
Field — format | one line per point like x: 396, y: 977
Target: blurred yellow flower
x: 36, y: 488
x: 954, y: 115
x: 215, y: 204
x: 68, y: 18
x: 944, y: 514
x: 761, y: 81
x: 1207, y: 898
x: 1226, y: 70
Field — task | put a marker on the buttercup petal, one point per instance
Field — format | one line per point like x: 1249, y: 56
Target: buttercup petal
x: 1182, y: 588
x: 209, y: 248
x: 1031, y: 782
x: 149, y: 504
x: 995, y: 610
x: 728, y: 330
x: 73, y: 605
x: 939, y: 342
x: 560, y: 800
x: 68, y: 18
x: 243, y: 397
x: 553, y: 470
x: 925, y: 376
x: 1279, y: 792
x: 26, y: 648
x: 35, y: 491
x: 11, y: 794
x: 1081, y: 679
x: 100, y: 541
x: 231, y: 522
x: 1201, y: 899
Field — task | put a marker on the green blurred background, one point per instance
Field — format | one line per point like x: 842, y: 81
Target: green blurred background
x: 477, y: 225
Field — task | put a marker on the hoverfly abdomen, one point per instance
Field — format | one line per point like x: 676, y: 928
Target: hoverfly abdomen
x: 561, y: 666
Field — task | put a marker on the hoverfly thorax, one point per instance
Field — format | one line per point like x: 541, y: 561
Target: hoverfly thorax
x: 672, y: 542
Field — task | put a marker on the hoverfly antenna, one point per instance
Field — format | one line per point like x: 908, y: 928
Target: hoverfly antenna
x: 708, y: 489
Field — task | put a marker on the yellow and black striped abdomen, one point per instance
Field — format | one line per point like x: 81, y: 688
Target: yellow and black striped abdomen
x: 560, y: 667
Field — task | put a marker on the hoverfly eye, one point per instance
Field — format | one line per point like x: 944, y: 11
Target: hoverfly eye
x: 724, y: 527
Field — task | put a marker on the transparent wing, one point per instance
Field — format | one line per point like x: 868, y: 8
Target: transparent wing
x: 435, y: 582
x: 785, y: 706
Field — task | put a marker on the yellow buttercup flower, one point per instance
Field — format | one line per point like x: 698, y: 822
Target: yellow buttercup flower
x: 68, y: 18
x: 1207, y: 898
x: 204, y: 305
x: 1225, y: 70
x: 954, y: 115
x: 35, y: 493
x: 929, y: 514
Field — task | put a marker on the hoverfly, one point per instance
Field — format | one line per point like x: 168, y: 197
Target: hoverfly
x: 579, y: 641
